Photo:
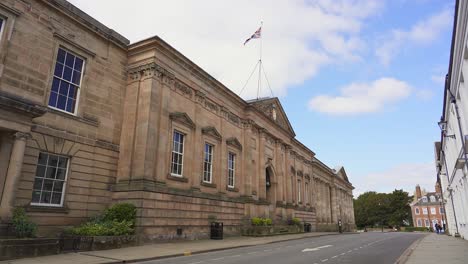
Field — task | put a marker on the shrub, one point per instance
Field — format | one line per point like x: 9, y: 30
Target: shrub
x: 22, y: 225
x: 259, y: 221
x: 412, y: 229
x: 108, y: 228
x: 267, y: 221
x: 294, y: 221
x: 118, y: 220
x: 120, y: 212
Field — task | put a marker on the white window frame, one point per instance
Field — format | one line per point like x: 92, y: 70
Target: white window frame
x: 427, y: 223
x: 231, y: 170
x: 208, y: 174
x: 64, y: 181
x: 425, y: 211
x: 299, y: 191
x: 306, y: 192
x: 417, y: 211
x: 176, y: 152
x: 441, y: 210
x: 433, y: 211
x: 78, y: 89
x: 418, y: 222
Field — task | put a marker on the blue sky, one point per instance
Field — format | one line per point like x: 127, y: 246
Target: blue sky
x: 360, y: 80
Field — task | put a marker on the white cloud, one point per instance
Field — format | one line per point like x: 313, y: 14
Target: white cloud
x: 424, y: 94
x: 403, y: 176
x: 299, y: 37
x: 422, y: 33
x: 439, y: 79
x: 359, y: 98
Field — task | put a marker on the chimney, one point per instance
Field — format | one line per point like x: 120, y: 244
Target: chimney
x: 418, y: 192
x: 437, y: 188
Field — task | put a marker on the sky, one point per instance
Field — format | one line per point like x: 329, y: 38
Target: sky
x: 360, y: 80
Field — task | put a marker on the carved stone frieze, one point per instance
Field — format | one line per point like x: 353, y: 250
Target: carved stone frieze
x: 184, y: 89
x: 210, y: 105
x: 148, y: 70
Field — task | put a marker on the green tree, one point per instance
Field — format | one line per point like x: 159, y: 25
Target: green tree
x: 382, y: 209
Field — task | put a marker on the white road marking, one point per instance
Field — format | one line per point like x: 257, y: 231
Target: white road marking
x: 355, y: 248
x: 334, y: 256
x: 315, y: 249
x: 343, y: 253
x: 196, y: 262
x: 217, y: 259
x: 266, y: 250
x: 234, y: 256
x: 350, y: 251
x: 323, y: 260
x: 253, y: 252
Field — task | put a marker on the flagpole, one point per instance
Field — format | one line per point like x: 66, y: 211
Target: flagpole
x: 260, y: 64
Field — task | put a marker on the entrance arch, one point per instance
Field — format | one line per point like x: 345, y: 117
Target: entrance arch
x: 270, y: 184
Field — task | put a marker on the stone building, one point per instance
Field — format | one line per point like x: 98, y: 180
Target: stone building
x: 427, y: 208
x: 88, y: 119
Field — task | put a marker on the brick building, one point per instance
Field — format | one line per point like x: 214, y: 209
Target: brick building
x: 427, y: 208
x: 88, y: 119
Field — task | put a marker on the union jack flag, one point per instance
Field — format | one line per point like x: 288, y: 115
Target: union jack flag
x: 255, y: 35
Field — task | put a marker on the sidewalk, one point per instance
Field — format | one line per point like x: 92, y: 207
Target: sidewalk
x: 160, y: 250
x: 438, y: 249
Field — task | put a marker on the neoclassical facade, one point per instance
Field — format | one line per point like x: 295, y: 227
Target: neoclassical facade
x: 88, y: 119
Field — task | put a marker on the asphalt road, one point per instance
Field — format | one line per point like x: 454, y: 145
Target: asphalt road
x: 361, y: 248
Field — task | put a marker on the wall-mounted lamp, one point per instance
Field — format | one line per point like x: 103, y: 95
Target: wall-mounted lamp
x: 443, y: 127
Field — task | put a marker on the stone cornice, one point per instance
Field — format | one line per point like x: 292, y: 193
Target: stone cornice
x: 182, y: 118
x: 20, y: 105
x: 232, y: 141
x: 211, y: 131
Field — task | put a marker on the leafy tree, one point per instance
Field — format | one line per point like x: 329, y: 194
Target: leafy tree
x: 382, y: 209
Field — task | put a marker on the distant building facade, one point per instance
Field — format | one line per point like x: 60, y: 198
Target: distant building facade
x: 452, y: 150
x: 88, y: 120
x: 427, y: 208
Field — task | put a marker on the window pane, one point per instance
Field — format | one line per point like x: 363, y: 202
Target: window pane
x: 58, y: 70
x: 62, y: 101
x: 42, y: 159
x: 55, y: 85
x: 61, y: 174
x: 36, y: 196
x: 62, y: 162
x: 58, y: 186
x: 63, y: 90
x: 53, y: 161
x: 56, y: 198
x: 37, y: 184
x: 67, y: 73
x: 76, y: 77
x: 78, y: 64
x: 48, y: 184
x: 50, y: 173
x: 53, y: 99
x: 61, y: 56
x: 45, y: 197
x: 40, y: 171
x: 70, y: 105
x: 70, y: 61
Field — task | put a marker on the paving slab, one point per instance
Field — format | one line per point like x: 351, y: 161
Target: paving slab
x: 438, y: 249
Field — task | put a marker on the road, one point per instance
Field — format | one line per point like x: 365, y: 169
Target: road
x: 361, y: 248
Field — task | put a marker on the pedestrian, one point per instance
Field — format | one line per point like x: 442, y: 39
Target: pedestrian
x: 438, y: 228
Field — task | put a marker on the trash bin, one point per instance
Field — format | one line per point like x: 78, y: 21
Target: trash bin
x: 216, y: 230
x: 307, y: 227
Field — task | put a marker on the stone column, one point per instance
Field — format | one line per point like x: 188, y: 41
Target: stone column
x: 13, y: 175
x: 5, y: 150
x: 334, y: 213
x: 261, y: 165
x: 279, y: 170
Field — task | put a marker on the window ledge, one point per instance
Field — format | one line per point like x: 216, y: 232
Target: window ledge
x: 88, y: 120
x: 232, y: 189
x: 47, y: 209
x: 177, y: 178
x: 206, y: 184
